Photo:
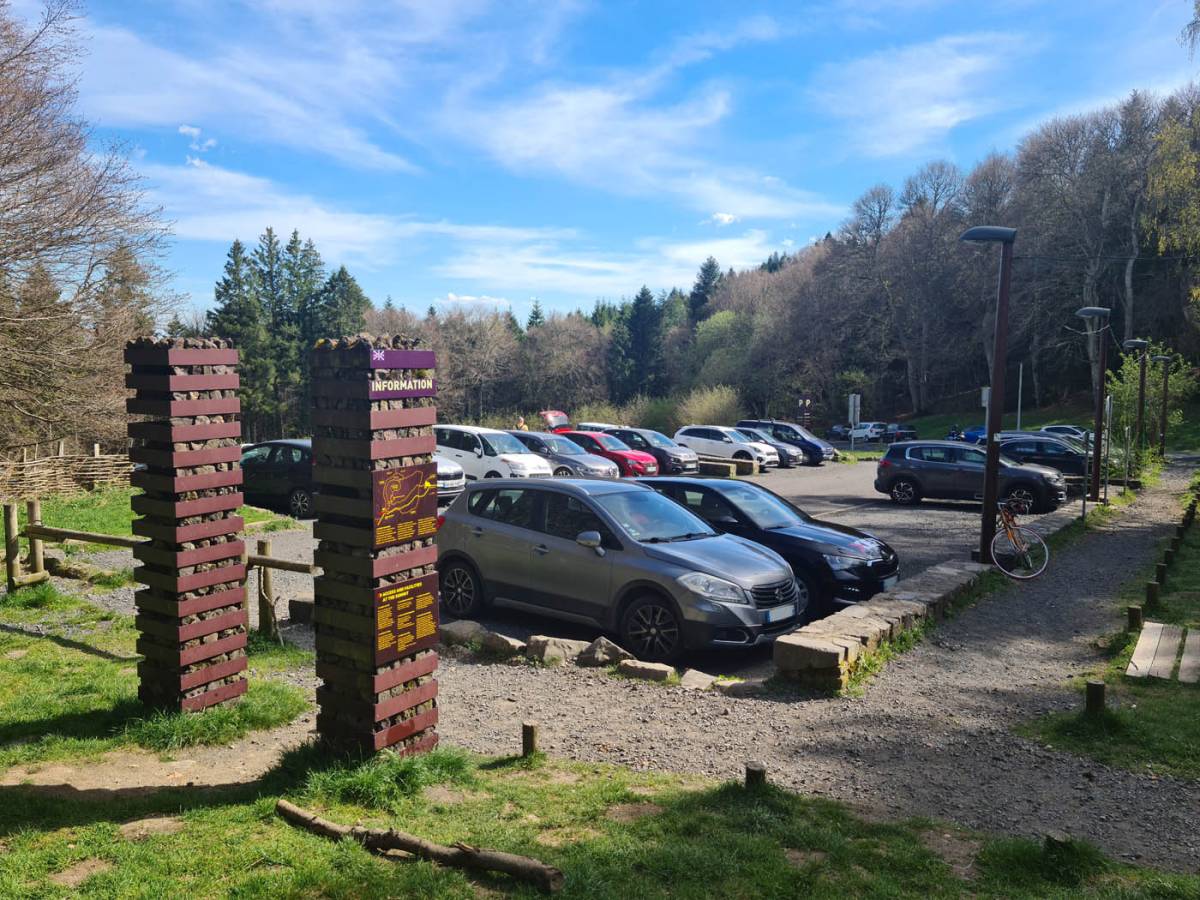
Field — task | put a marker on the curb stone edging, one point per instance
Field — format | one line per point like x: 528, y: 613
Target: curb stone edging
x: 824, y: 654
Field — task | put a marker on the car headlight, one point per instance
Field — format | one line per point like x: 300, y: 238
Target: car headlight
x: 841, y: 563
x: 712, y: 588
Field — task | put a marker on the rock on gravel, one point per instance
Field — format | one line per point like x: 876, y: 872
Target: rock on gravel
x: 635, y: 668
x: 602, y: 652
x: 554, y: 651
x: 695, y: 680
x: 461, y: 631
x: 501, y: 644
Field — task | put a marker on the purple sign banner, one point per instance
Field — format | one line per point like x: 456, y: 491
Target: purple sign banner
x: 402, y: 359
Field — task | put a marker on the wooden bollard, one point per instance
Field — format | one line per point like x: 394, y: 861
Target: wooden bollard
x: 1151, y: 595
x: 1094, y: 702
x: 529, y: 738
x: 37, y: 556
x: 1175, y: 544
x: 266, y: 595
x: 1160, y: 573
x: 1168, y: 556
x: 1136, y: 619
x: 756, y: 774
x: 12, y: 547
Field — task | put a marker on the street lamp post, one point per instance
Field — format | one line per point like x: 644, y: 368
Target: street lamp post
x: 1162, y: 413
x: 1096, y: 318
x: 994, y: 234
x: 1140, y: 346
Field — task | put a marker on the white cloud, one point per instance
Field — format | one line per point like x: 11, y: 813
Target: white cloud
x: 899, y: 101
x: 191, y: 131
x: 483, y: 300
x: 721, y: 219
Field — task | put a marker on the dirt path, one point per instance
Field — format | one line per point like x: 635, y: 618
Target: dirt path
x: 931, y: 737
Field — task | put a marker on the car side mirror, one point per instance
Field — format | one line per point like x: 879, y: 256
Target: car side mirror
x: 727, y: 439
x: 590, y: 539
x: 479, y: 451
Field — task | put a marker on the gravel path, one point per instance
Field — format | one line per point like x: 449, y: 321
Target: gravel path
x: 931, y: 737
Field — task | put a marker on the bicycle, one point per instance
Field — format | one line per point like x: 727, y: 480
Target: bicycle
x: 1017, y: 551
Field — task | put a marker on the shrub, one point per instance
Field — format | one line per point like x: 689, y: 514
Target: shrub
x: 602, y: 411
x: 717, y: 405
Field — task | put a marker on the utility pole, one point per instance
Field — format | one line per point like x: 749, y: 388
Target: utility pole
x: 1162, y: 413
x: 1096, y: 318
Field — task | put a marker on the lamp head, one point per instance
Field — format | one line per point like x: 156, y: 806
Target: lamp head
x: 1162, y: 358
x: 988, y: 234
x: 1135, y: 344
x: 1096, y: 317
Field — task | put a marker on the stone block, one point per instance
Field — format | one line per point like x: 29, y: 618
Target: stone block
x: 461, y: 631
x: 750, y: 687
x: 798, y: 650
x: 553, y: 651
x: 501, y: 644
x: 695, y: 680
x: 602, y: 652
x: 635, y: 668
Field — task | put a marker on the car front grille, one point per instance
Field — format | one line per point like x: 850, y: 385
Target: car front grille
x: 457, y: 484
x: 541, y: 474
x: 768, y: 596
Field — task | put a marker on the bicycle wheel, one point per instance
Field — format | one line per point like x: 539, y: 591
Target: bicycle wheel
x: 1024, y: 555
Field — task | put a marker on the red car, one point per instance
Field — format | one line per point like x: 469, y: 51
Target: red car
x: 556, y: 420
x: 632, y: 463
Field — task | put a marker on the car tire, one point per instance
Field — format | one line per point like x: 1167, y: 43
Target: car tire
x: 1026, y: 495
x: 652, y: 630
x: 460, y: 590
x: 818, y: 605
x: 300, y: 504
x: 563, y: 472
x: 492, y: 474
x: 742, y: 454
x: 905, y: 491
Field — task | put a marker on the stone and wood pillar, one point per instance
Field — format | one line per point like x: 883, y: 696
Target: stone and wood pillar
x: 376, y: 610
x: 191, y: 614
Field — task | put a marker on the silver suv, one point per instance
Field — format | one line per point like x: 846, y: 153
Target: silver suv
x: 616, y: 555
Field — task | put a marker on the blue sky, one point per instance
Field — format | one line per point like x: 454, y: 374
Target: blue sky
x: 472, y: 152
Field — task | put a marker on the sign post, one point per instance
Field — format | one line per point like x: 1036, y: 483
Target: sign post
x: 853, y: 415
x: 376, y: 610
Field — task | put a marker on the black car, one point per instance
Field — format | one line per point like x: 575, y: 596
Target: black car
x: 834, y: 565
x: 816, y: 451
x: 276, y: 473
x: 279, y: 472
x: 897, y: 432
x: 1044, y: 451
x: 673, y: 458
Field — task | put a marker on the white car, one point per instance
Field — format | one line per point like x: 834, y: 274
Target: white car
x: 726, y: 443
x: 489, y: 453
x: 868, y: 431
x: 1080, y: 434
x: 594, y: 426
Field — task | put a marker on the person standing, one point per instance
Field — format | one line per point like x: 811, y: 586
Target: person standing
x: 521, y: 423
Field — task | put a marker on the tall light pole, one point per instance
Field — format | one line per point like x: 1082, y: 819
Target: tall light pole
x: 1096, y: 318
x: 1162, y: 413
x: 994, y: 234
x: 1140, y: 346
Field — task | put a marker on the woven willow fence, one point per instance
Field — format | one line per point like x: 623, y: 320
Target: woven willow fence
x: 67, y: 474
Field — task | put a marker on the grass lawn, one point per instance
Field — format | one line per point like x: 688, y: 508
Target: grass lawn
x: 106, y: 511
x: 1151, y: 725
x: 67, y: 695
x: 936, y: 427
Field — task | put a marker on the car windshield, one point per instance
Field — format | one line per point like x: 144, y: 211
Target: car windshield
x: 608, y: 442
x: 503, y: 443
x: 650, y: 518
x: 754, y: 435
x: 563, y: 447
x: 654, y: 439
x: 737, y: 436
x: 762, y: 507
x: 805, y: 433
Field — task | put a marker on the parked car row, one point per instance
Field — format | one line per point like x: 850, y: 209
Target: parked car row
x: 873, y: 432
x: 667, y: 564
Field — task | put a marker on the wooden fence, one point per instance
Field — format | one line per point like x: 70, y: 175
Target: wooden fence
x: 61, y: 474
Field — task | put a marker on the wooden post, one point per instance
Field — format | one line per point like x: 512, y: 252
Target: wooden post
x: 1094, y: 703
x: 1151, y: 595
x: 33, y: 516
x: 95, y: 449
x: 1136, y: 619
x: 62, y: 447
x: 12, y: 547
x: 1168, y: 556
x: 1175, y: 544
x: 1160, y: 574
x: 266, y: 595
x: 756, y: 774
x: 529, y: 738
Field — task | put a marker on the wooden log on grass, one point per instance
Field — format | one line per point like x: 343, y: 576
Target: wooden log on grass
x: 529, y: 738
x: 1136, y: 619
x: 460, y: 856
x: 1094, y: 700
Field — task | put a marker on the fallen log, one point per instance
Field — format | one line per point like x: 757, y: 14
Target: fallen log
x: 460, y: 856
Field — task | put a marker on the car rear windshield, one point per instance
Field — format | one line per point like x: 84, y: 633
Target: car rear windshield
x: 762, y: 507
x: 564, y: 447
x: 651, y: 518
x: 503, y: 443
x: 608, y: 442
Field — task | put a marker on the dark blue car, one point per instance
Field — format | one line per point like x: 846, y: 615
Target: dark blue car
x: 816, y: 451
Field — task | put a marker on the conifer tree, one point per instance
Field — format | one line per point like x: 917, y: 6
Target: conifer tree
x: 536, y: 317
x: 707, y: 280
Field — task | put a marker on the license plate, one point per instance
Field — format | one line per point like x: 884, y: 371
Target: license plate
x: 779, y: 613
x: 890, y: 582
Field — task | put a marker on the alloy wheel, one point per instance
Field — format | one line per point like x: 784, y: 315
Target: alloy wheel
x: 562, y: 472
x: 458, y: 591
x: 1024, y: 497
x: 904, y: 492
x: 300, y: 504
x: 653, y: 632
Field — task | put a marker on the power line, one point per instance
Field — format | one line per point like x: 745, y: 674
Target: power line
x: 1085, y: 259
